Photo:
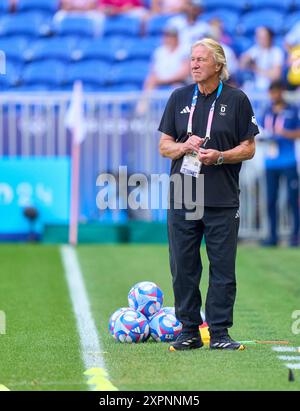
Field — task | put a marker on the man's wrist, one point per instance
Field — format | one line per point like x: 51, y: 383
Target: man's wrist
x: 220, y: 159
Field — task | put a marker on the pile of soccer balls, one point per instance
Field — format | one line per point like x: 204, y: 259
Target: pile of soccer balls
x: 145, y: 316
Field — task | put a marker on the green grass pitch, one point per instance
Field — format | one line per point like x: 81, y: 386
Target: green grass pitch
x: 41, y: 348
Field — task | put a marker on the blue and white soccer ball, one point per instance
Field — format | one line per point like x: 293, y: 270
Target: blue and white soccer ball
x: 131, y: 327
x: 146, y: 297
x: 113, y: 318
x: 164, y: 326
x: 169, y: 310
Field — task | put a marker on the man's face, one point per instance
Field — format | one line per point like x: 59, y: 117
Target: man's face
x: 276, y: 95
x: 171, y: 40
x: 263, y: 37
x: 203, y: 65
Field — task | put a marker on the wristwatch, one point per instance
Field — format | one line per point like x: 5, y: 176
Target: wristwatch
x: 220, y: 159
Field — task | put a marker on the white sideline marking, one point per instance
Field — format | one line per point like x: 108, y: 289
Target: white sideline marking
x: 90, y: 345
x: 286, y: 349
x: 289, y: 357
x: 293, y: 366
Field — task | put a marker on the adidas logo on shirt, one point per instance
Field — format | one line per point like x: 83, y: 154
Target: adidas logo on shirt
x: 185, y: 110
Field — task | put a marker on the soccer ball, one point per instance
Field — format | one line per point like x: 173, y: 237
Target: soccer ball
x: 131, y: 327
x: 146, y: 297
x: 164, y: 327
x: 169, y: 310
x: 113, y: 318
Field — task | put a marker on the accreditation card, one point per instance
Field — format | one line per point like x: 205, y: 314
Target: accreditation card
x: 191, y: 165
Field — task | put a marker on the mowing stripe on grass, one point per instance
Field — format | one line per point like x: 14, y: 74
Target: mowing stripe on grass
x: 90, y: 345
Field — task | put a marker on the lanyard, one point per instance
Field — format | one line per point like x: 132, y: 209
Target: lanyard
x: 210, y: 116
x: 271, y: 125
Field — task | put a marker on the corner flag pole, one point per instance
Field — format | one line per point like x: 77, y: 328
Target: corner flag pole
x: 75, y: 122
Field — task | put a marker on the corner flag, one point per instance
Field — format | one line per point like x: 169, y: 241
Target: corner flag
x: 75, y: 122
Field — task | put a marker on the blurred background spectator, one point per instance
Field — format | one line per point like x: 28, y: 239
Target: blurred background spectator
x: 281, y: 125
x: 218, y: 34
x: 167, y: 6
x: 78, y: 5
x: 292, y: 44
x: 263, y: 60
x: 189, y: 24
x: 117, y: 7
x: 292, y: 38
x: 170, y: 65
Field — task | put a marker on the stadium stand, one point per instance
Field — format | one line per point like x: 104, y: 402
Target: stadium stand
x: 32, y: 24
x: 122, y: 25
x: 60, y: 48
x: 31, y: 35
x: 75, y: 25
x: 93, y: 73
x: 48, y: 72
x: 50, y: 6
x: 14, y: 47
x: 4, y: 6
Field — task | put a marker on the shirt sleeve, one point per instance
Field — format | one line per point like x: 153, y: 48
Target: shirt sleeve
x: 167, y: 123
x: 278, y: 57
x: 247, y: 125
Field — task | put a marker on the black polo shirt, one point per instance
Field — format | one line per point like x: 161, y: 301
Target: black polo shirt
x: 233, y: 122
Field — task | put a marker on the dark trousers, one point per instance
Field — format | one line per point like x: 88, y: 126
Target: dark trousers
x: 219, y: 226
x: 273, y: 178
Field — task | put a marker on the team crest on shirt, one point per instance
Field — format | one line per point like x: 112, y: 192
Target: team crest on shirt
x: 223, y: 109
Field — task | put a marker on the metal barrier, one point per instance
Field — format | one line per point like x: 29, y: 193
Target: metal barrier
x: 34, y: 125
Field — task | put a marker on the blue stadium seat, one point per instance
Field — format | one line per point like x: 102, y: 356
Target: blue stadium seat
x: 267, y: 17
x: 122, y: 25
x: 89, y: 72
x: 30, y: 24
x: 13, y: 47
x: 12, y: 76
x: 54, y: 48
x: 131, y: 72
x: 49, y: 72
x: 108, y: 49
x: 157, y: 24
x: 290, y: 20
x: 4, y: 6
x: 75, y: 25
x: 281, y: 5
x: 241, y: 44
x: 142, y: 48
x: 27, y: 88
x: 239, y: 5
x: 279, y: 41
x: 121, y: 88
x: 43, y: 5
x: 229, y: 18
x: 296, y: 4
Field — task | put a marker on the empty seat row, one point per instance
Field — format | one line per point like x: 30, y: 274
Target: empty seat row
x: 240, y: 5
x: 42, y: 23
x: 55, y: 74
x: 246, y: 5
x: 72, y: 48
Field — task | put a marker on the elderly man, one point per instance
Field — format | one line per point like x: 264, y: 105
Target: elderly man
x: 208, y: 129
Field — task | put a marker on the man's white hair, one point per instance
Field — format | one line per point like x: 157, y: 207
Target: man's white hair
x: 218, y: 54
